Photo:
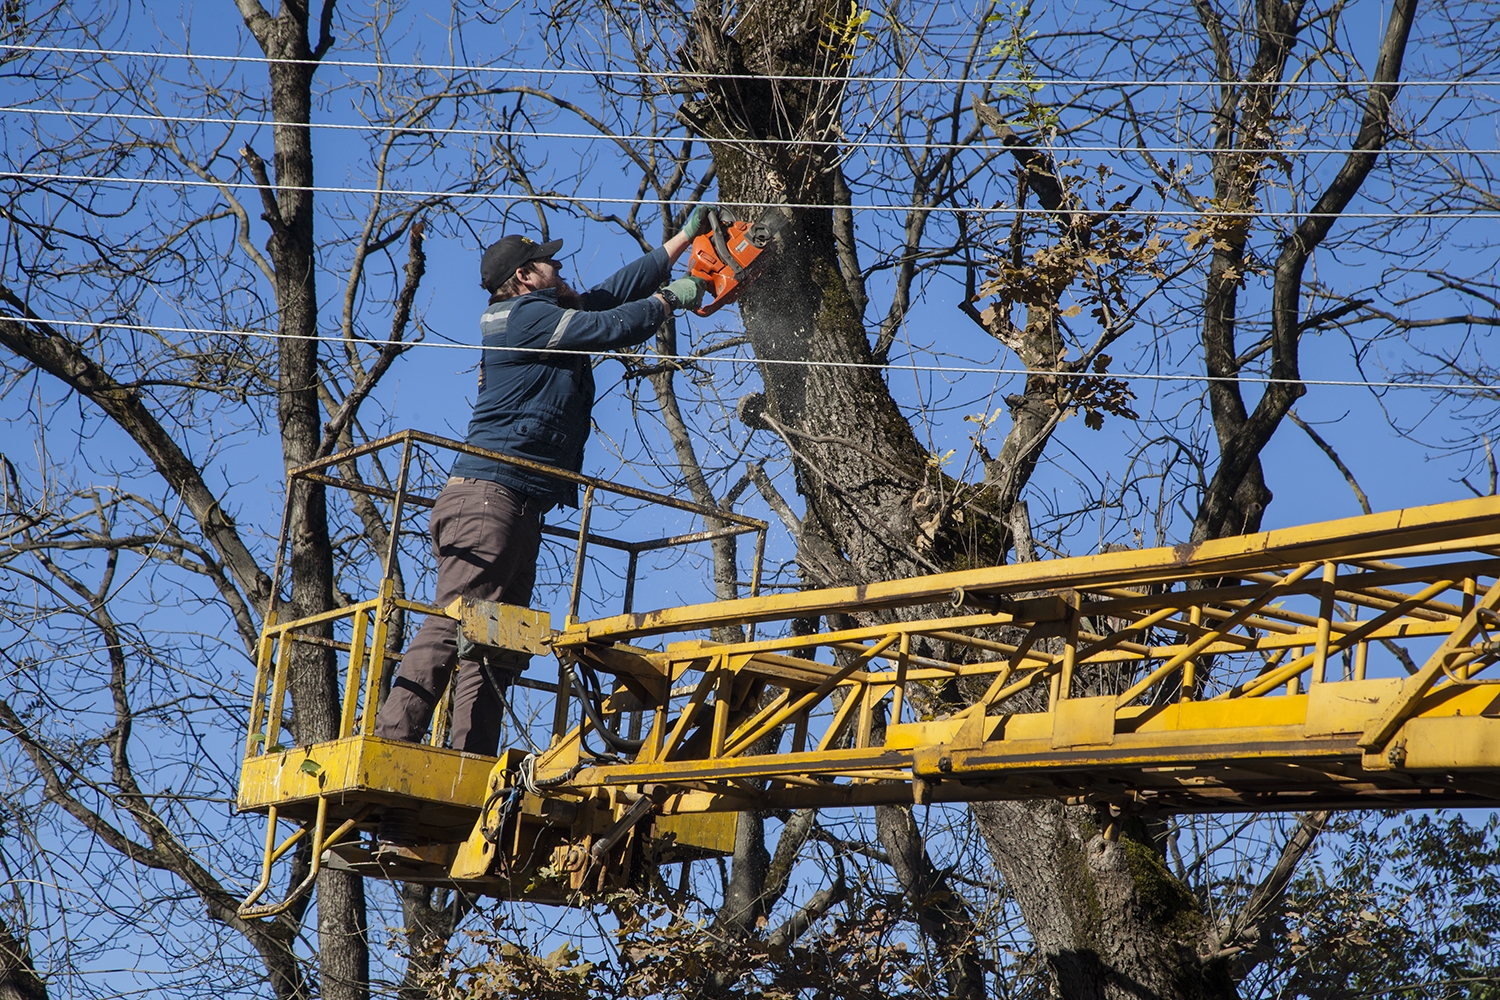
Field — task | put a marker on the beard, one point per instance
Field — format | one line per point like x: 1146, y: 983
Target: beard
x: 567, y: 298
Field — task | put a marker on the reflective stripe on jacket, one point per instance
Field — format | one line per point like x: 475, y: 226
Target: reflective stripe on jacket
x: 536, y: 406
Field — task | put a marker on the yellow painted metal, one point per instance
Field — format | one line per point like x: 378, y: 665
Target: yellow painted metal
x: 1190, y: 663
x: 1221, y: 618
x: 1376, y: 628
x: 689, y: 711
x: 375, y: 667
x: 503, y: 625
x: 247, y: 908
x: 1460, y: 526
x: 1080, y: 722
x: 364, y: 768
x: 1325, y: 621
x: 321, y: 842
x: 1401, y: 707
x: 1346, y: 707
x: 898, y: 690
x: 306, y: 623
x: 1448, y: 744
x: 353, y: 779
x: 1186, y: 678
x: 282, y: 664
x: 699, y: 833
x: 263, y: 660
x: 357, y: 656
x: 477, y: 853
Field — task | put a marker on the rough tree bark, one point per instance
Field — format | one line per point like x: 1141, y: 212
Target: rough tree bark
x: 18, y: 978
x: 860, y: 466
x: 857, y: 475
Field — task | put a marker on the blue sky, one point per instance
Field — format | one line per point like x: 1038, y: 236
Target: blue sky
x: 432, y: 388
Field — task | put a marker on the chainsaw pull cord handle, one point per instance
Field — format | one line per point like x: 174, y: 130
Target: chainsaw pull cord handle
x: 720, y: 241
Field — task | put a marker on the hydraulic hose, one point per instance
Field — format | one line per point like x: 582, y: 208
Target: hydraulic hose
x: 591, y: 697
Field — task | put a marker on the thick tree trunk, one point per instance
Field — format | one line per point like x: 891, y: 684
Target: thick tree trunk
x: 858, y: 461
x: 859, y: 464
x: 1107, y: 915
x: 1105, y: 912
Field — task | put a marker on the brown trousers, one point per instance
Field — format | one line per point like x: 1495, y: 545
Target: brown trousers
x: 485, y: 538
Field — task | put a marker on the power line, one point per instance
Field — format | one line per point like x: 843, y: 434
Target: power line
x: 640, y: 137
x: 684, y: 74
x: 601, y: 200
x: 784, y: 362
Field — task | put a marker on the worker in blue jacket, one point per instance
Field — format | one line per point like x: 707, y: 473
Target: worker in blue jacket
x: 536, y: 388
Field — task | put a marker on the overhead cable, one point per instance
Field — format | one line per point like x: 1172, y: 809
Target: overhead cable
x: 639, y: 137
x: 685, y: 74
x: 832, y: 206
x: 775, y: 362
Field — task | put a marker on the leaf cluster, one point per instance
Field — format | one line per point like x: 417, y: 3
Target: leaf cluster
x: 1407, y: 907
x: 658, y: 951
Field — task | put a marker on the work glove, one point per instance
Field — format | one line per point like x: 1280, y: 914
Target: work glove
x: 697, y: 222
x: 684, y: 293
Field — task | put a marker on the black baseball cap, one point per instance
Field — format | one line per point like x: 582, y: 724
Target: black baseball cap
x: 501, y: 259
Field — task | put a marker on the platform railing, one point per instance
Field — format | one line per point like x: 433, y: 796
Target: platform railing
x: 367, y: 658
x: 368, y: 661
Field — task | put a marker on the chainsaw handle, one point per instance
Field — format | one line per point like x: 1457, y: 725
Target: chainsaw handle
x: 720, y: 240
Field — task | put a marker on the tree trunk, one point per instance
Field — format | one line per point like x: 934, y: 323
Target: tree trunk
x: 858, y: 461
x: 1107, y: 916
x: 18, y: 978
x: 342, y: 932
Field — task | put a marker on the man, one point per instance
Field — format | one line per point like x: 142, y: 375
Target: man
x: 486, y: 525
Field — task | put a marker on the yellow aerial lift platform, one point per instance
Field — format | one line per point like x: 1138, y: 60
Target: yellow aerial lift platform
x: 1252, y: 673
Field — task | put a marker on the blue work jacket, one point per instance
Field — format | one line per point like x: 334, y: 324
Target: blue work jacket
x: 536, y: 405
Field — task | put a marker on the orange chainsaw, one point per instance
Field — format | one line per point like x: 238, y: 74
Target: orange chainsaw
x: 729, y: 256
